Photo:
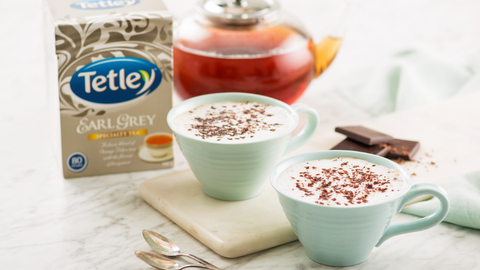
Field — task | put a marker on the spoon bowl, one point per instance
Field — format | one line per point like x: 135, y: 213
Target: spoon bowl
x: 164, y: 246
x: 164, y: 263
x: 160, y: 243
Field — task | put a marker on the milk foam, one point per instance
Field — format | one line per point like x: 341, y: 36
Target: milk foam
x: 234, y: 122
x: 342, y: 181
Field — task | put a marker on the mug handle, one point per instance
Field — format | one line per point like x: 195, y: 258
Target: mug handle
x: 423, y: 223
x: 307, y: 131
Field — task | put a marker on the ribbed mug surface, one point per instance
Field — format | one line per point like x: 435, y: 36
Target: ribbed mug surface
x: 345, y: 235
x: 238, y: 171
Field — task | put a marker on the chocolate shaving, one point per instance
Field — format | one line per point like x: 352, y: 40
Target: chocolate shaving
x: 222, y: 122
x: 359, y: 184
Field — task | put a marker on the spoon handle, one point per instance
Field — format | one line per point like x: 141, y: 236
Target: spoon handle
x: 196, y: 266
x: 202, y: 261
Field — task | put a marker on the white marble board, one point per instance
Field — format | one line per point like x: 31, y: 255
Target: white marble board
x: 232, y: 229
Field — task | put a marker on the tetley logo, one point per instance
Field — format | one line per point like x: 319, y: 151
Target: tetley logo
x: 115, y: 80
x: 103, y: 4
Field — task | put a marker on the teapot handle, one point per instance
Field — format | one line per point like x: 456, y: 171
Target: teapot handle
x: 344, y: 20
x: 327, y: 49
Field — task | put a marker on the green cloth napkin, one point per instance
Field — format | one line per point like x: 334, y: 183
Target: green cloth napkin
x: 464, y: 196
x: 409, y: 79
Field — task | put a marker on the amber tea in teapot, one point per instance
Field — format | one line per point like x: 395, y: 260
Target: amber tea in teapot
x: 247, y: 46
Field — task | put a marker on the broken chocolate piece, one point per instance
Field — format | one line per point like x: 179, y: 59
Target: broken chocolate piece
x: 364, y: 135
x: 349, y: 144
x: 402, y: 149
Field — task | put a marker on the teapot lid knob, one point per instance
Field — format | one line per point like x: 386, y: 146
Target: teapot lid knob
x: 239, y: 12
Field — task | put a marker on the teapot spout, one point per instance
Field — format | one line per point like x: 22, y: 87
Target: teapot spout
x: 327, y: 49
x: 324, y: 53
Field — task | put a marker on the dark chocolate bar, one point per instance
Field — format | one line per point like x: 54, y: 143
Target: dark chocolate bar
x: 349, y: 144
x: 364, y: 135
x: 402, y: 149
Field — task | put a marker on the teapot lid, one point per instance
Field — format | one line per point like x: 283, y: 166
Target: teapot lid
x: 238, y: 12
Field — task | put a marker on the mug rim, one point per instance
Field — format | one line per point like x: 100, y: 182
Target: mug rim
x: 197, y: 101
x: 284, y: 164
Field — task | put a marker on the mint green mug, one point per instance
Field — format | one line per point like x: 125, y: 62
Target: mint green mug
x: 238, y: 171
x: 344, y: 236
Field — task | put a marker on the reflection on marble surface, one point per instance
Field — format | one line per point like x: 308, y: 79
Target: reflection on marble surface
x: 95, y: 223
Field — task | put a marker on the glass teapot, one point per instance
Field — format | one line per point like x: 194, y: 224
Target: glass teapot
x: 248, y: 46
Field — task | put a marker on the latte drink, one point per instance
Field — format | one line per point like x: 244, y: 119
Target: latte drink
x: 341, y: 181
x: 234, y: 122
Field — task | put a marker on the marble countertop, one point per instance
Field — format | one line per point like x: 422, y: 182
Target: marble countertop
x: 48, y: 222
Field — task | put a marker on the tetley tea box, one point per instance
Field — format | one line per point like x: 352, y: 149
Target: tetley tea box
x: 114, y: 85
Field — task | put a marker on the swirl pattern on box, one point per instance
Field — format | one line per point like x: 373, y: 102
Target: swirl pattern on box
x: 82, y: 41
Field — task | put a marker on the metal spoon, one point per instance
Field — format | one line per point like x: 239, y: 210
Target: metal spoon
x: 164, y: 246
x: 164, y: 263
